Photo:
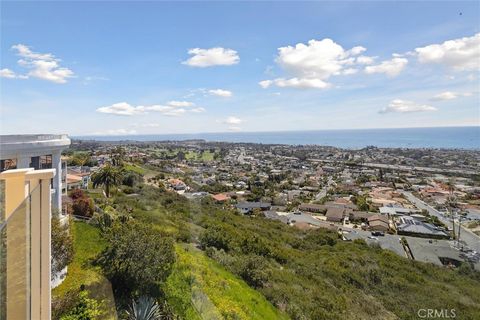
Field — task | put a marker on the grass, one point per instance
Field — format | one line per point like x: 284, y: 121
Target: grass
x: 88, y: 244
x: 205, y: 156
x: 199, y: 288
x: 135, y: 168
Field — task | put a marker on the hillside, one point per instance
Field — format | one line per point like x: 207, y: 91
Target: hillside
x: 311, y: 274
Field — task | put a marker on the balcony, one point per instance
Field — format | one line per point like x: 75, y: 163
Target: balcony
x: 25, y: 244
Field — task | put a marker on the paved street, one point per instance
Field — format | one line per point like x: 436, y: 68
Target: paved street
x: 421, y: 248
x: 472, y: 240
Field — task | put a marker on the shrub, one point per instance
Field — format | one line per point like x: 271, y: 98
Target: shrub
x: 136, y: 259
x: 62, y: 245
x: 83, y: 207
x: 84, y: 308
x: 145, y: 309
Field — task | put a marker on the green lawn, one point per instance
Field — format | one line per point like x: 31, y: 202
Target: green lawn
x: 199, y: 288
x: 134, y: 168
x: 88, y: 244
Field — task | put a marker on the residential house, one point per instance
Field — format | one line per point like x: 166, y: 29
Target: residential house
x: 378, y: 223
x: 249, y: 207
x: 412, y: 227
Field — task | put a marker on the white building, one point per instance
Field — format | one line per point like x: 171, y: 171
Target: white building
x: 38, y: 151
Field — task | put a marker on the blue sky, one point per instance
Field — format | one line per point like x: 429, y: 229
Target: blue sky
x: 154, y: 67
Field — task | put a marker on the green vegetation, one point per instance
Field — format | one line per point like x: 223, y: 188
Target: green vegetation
x: 136, y: 260
x: 80, y: 158
x: 62, y: 244
x: 87, y: 245
x: 145, y: 309
x: 82, y: 204
x: 199, y: 288
x: 307, y: 274
x: 83, y: 308
x: 198, y: 260
x: 134, y: 168
x: 107, y: 177
x: 83, y: 273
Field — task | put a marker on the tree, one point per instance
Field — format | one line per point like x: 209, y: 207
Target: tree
x: 137, y: 258
x: 181, y: 155
x: 62, y: 245
x: 107, y: 177
x: 117, y: 154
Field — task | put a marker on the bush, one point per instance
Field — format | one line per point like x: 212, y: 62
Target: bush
x: 136, y: 259
x: 81, y: 307
x: 62, y: 245
x: 253, y: 269
x: 82, y: 205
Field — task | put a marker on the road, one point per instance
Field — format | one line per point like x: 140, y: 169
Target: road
x: 472, y: 240
x: 425, y: 250
x: 400, y: 167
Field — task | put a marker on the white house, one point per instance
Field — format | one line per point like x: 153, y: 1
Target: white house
x: 38, y: 151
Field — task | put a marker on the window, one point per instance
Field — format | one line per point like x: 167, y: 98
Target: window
x: 35, y: 163
x: 46, y: 162
x: 8, y: 164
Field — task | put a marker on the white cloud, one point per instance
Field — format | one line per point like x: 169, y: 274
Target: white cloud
x: 349, y: 71
x: 42, y: 65
x: 220, y: 93
x: 449, y: 95
x: 265, y: 83
x: 212, y: 57
x: 180, y: 104
x: 302, y: 83
x: 365, y: 60
x: 404, y: 106
x: 198, y: 110
x: 174, y: 109
x: 7, y: 73
x: 234, y: 128
x: 357, y: 50
x: 461, y: 54
x: 146, y: 125
x: 233, y: 120
x: 312, y: 64
x: 317, y: 59
x: 165, y: 110
x: 122, y: 108
x: 390, y: 67
x: 175, y: 112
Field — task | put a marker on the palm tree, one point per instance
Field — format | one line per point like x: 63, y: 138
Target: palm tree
x: 145, y: 309
x: 107, y: 176
x: 117, y: 154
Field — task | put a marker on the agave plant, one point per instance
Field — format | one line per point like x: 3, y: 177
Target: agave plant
x: 146, y: 308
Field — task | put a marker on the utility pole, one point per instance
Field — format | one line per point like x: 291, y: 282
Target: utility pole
x: 453, y: 223
x: 459, y: 228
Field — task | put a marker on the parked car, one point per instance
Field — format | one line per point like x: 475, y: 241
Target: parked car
x: 378, y: 233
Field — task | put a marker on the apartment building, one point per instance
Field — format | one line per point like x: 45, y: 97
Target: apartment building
x: 38, y: 151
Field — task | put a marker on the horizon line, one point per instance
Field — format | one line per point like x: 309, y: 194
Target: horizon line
x: 269, y: 131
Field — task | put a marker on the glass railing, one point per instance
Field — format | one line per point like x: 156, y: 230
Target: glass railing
x: 15, y: 261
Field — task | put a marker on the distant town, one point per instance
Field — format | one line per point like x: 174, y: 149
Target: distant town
x: 423, y: 204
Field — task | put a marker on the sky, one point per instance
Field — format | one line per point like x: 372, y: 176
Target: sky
x: 119, y: 68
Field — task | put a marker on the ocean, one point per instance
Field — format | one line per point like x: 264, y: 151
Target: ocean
x: 439, y: 137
